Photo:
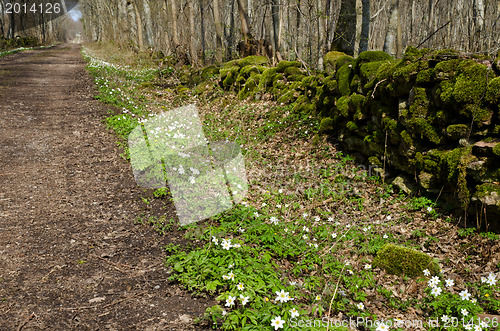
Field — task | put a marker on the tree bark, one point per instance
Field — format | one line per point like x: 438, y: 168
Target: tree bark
x: 390, y: 44
x: 202, y: 28
x: 192, y: 33
x: 175, y: 31
x: 245, y: 26
x: 276, y: 23
x: 345, y: 32
x: 140, y: 37
x: 365, y: 26
x: 218, y: 32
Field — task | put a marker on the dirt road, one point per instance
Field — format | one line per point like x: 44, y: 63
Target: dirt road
x: 70, y: 254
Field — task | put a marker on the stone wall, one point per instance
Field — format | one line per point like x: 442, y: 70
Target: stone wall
x: 433, y: 115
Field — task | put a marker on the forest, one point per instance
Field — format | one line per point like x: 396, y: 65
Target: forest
x: 207, y: 31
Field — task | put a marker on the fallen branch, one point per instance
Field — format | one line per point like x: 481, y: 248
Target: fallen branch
x: 375, y: 88
x: 114, y: 264
x: 33, y: 315
x: 124, y: 299
x: 109, y: 304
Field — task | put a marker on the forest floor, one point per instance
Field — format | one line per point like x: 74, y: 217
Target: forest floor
x: 311, y: 225
x: 71, y: 256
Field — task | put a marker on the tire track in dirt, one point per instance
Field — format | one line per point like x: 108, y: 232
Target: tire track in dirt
x: 70, y: 256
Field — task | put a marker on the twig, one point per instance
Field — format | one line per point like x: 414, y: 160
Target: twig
x: 33, y: 315
x: 114, y: 264
x: 429, y: 37
x: 109, y: 304
x: 124, y: 299
x: 301, y: 61
x: 375, y: 88
x: 385, y: 156
x: 336, y: 242
x: 333, y: 297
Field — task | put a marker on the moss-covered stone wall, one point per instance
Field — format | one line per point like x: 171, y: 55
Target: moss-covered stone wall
x: 433, y: 115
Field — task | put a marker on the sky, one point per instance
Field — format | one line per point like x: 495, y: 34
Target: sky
x: 75, y: 14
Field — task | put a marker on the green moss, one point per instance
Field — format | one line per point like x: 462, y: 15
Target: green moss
x: 356, y: 102
x: 293, y: 71
x: 330, y: 85
x: 375, y: 161
x: 209, y: 72
x: 389, y: 124
x: 486, y: 189
x: 288, y: 97
x: 295, y: 78
x: 228, y: 76
x: 250, y: 70
x: 457, y: 131
x: 345, y: 59
x: 426, y: 76
x: 326, y: 124
x: 343, y: 105
x: 480, y: 115
x: 267, y: 77
x: 283, y: 65
x: 344, y: 77
x: 421, y: 126
x: 372, y: 56
x: 355, y: 84
x: 253, y: 60
x: 368, y: 71
x: 248, y: 89
x: 406, y: 138
x: 407, y: 73
x: 330, y: 61
x: 415, y: 54
x: 493, y: 91
x: 471, y: 82
x: 420, y: 102
x: 445, y: 92
x: 446, y: 69
x: 399, y: 260
x: 351, y: 126
x: 231, y: 64
x: 496, y: 150
x: 386, y: 69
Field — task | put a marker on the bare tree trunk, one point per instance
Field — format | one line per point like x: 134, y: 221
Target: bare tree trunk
x: 192, y: 34
x: 202, y: 27
x: 328, y: 19
x: 148, y: 24
x: 175, y: 31
x: 478, y: 21
x: 297, y: 44
x: 230, y: 34
x: 218, y: 31
x: 321, y: 35
x: 276, y: 22
x: 2, y: 31
x: 245, y: 26
x: 390, y: 44
x: 345, y: 32
x: 365, y: 26
x: 140, y: 38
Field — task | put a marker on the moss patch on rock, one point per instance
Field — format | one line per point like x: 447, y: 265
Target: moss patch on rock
x: 330, y: 61
x: 253, y: 60
x: 493, y: 91
x: 399, y: 260
x: 283, y: 65
x: 471, y: 82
